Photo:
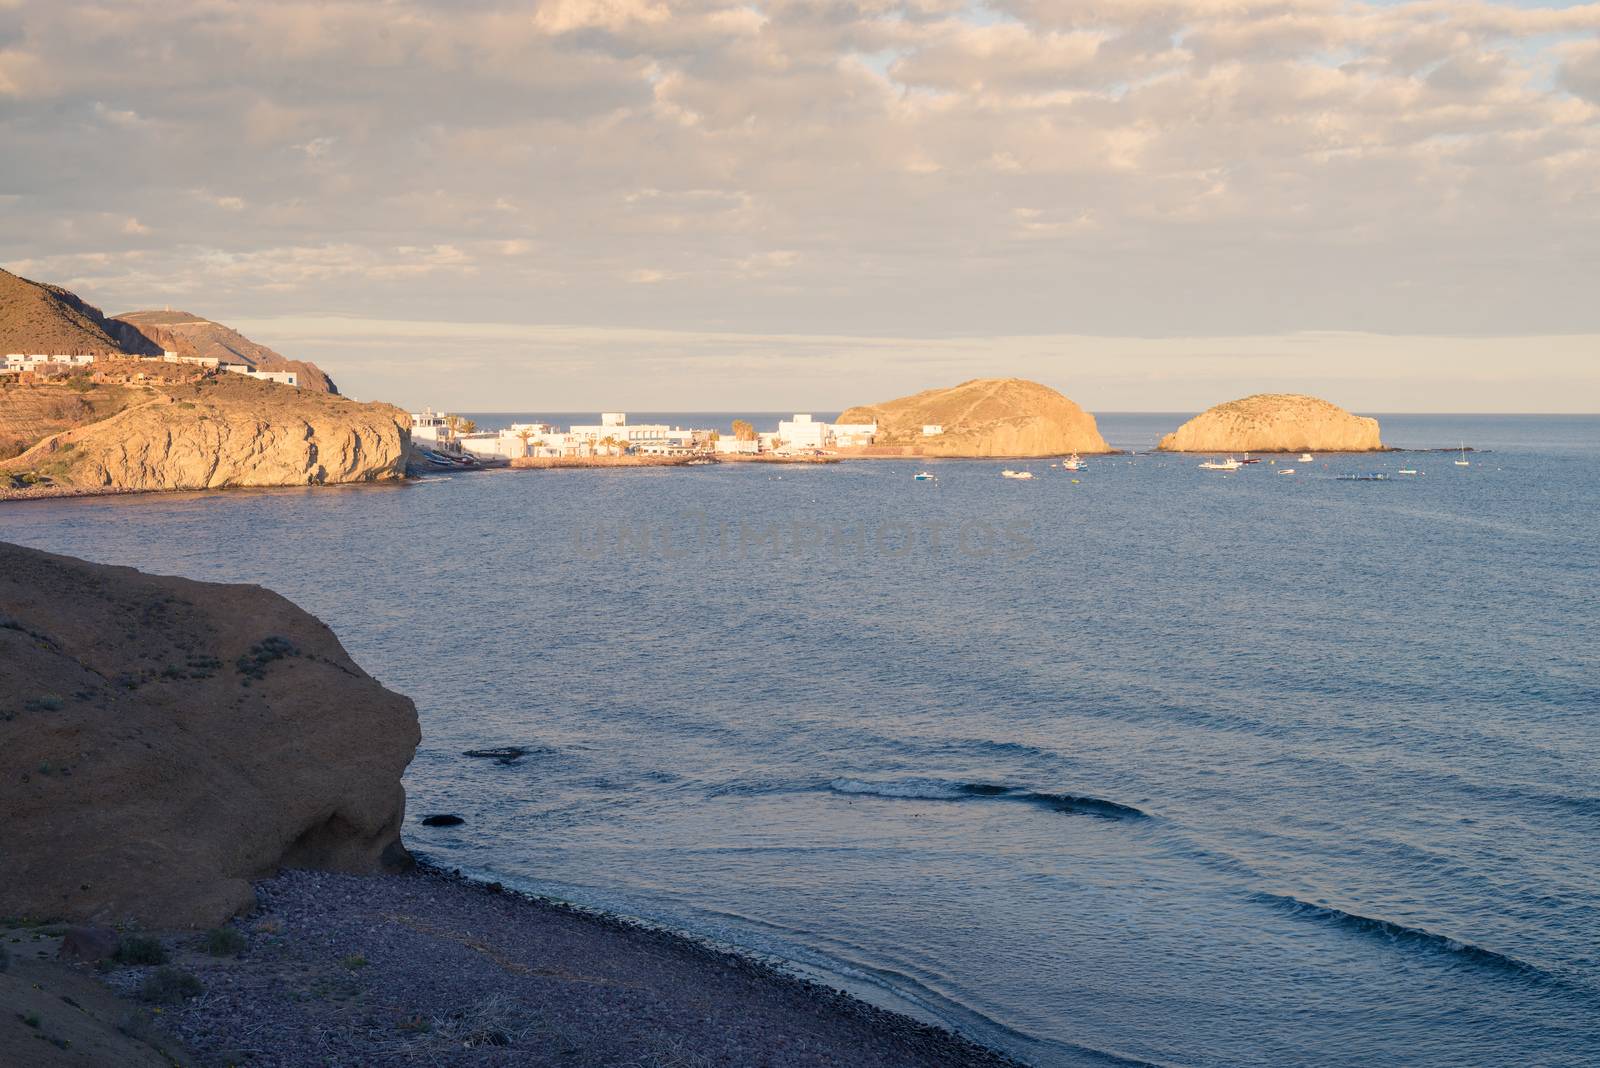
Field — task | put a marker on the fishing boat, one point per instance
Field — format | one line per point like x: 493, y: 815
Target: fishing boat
x: 1230, y: 464
x: 1307, y: 458
x: 1406, y: 471
x: 1463, y: 462
x: 1008, y: 473
x: 923, y: 476
x: 1073, y: 463
x: 1248, y: 459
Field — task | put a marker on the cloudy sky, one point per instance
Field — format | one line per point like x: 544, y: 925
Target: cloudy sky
x: 1149, y: 204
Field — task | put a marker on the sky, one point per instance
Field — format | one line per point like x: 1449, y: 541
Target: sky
x: 586, y: 204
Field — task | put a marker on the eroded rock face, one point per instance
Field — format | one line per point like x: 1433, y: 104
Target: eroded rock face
x: 226, y: 431
x: 163, y: 742
x: 983, y: 417
x: 1275, y: 422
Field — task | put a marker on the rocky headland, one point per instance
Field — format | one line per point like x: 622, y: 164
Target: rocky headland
x: 1275, y: 422
x: 986, y: 417
x: 163, y: 742
x: 183, y: 429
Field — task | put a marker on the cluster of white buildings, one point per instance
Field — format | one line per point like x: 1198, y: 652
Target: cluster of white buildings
x: 615, y: 436
x: 18, y: 362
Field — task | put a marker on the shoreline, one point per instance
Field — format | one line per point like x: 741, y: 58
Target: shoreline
x: 432, y: 966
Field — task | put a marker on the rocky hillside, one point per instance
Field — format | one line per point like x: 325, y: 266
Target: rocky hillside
x: 983, y: 417
x: 1275, y: 422
x: 163, y: 742
x: 40, y: 318
x: 190, y: 335
x: 206, y: 432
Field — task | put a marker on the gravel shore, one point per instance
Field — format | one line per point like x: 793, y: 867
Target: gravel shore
x: 431, y: 969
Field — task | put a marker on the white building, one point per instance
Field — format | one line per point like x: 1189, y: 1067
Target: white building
x: 430, y: 428
x: 614, y: 434
x: 729, y: 444
x: 804, y: 432
x: 32, y: 361
x: 932, y: 430
x: 283, y: 378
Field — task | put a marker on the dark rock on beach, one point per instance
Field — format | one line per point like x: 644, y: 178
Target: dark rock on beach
x: 443, y: 820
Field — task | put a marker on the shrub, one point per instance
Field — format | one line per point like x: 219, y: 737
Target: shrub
x: 224, y: 942
x: 137, y: 949
x: 169, y: 986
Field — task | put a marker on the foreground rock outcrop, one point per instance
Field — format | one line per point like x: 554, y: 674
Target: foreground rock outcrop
x: 1275, y: 422
x: 983, y: 417
x: 163, y: 742
x: 216, y: 431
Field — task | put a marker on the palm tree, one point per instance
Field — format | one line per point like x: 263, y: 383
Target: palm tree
x: 524, y: 435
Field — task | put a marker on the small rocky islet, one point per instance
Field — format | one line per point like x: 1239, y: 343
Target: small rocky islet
x: 1275, y: 422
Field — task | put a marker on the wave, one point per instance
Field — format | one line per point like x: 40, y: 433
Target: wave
x: 1402, y: 935
x: 940, y: 790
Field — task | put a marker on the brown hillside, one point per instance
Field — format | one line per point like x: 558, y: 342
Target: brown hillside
x: 984, y: 417
x: 40, y: 318
x: 190, y: 335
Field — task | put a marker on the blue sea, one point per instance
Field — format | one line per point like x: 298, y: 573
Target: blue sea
x: 1142, y: 764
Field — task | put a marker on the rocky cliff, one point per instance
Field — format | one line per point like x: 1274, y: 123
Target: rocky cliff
x: 190, y: 335
x: 983, y: 417
x: 1275, y: 422
x: 163, y: 742
x: 213, y: 432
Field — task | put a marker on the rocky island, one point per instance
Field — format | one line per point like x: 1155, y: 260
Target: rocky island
x: 985, y: 417
x: 202, y: 864
x: 1275, y: 422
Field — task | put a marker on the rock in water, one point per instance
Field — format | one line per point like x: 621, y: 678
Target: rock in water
x: 1275, y: 422
x: 443, y: 819
x: 983, y: 417
x: 163, y: 742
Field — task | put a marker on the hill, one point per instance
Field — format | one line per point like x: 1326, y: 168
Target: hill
x: 983, y: 417
x: 39, y: 318
x: 1275, y: 422
x: 190, y: 335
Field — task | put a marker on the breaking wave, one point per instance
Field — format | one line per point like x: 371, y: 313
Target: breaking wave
x: 940, y: 790
x: 1399, y: 934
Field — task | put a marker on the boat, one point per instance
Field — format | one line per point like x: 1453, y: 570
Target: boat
x: 1073, y: 463
x: 1008, y: 473
x: 1307, y: 458
x: 1287, y: 471
x: 923, y: 476
x: 1463, y: 462
x: 1248, y: 459
x: 1230, y: 464
x: 1406, y: 471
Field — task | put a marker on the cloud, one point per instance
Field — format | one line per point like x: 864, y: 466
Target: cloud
x: 1183, y: 168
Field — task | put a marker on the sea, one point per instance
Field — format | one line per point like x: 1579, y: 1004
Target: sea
x: 1139, y: 764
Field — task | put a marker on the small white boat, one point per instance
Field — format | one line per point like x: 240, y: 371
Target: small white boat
x: 1287, y: 471
x: 1230, y: 464
x: 1073, y: 463
x: 1463, y: 462
x: 1008, y: 473
x: 1307, y: 458
x: 923, y: 476
x: 1407, y: 471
